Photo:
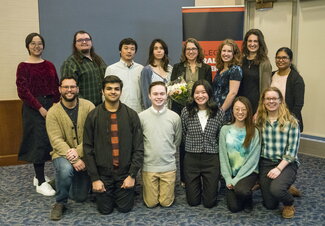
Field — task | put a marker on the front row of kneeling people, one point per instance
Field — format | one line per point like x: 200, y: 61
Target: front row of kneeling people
x: 113, y: 143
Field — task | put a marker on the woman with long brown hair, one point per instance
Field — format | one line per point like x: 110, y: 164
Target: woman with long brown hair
x: 239, y: 150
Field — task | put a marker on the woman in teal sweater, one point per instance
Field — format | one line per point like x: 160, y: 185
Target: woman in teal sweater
x: 239, y: 150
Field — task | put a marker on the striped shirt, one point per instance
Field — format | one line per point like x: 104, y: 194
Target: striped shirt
x: 198, y: 140
x: 280, y: 144
x: 89, y: 75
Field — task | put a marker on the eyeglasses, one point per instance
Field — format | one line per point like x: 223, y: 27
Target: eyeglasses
x: 282, y: 58
x: 191, y: 49
x: 68, y: 87
x: 268, y: 99
x: 83, y: 40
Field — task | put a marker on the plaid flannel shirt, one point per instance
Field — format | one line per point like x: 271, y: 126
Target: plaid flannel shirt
x: 280, y: 144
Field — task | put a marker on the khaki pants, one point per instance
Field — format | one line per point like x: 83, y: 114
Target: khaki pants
x: 159, y: 188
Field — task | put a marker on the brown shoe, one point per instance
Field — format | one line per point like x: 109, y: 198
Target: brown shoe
x: 57, y: 211
x: 288, y: 212
x: 294, y: 191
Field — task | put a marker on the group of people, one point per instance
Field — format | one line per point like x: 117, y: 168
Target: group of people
x: 243, y: 124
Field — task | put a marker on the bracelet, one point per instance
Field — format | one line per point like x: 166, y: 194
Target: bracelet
x: 279, y: 169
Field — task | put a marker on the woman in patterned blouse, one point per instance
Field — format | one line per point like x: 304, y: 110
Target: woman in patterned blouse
x: 227, y: 80
x: 201, y: 123
x: 280, y: 143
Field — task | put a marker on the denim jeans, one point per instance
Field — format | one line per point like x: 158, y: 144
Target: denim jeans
x: 70, y: 183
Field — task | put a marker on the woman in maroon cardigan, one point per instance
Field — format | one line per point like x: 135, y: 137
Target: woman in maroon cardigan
x: 37, y: 86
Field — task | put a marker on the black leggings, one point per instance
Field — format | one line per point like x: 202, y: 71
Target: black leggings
x: 39, y: 171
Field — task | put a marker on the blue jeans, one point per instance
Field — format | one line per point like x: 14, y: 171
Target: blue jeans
x: 70, y: 183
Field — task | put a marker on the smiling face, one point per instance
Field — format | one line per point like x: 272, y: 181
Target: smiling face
x: 201, y: 97
x: 282, y: 60
x: 158, y: 51
x: 35, y: 47
x: 191, y: 51
x: 239, y: 111
x: 272, y: 101
x: 158, y: 96
x: 127, y: 52
x: 112, y: 92
x: 83, y: 43
x: 227, y: 53
x: 252, y: 43
x: 69, y: 90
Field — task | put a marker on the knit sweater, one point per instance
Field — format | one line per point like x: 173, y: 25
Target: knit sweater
x: 162, y: 133
x: 61, y: 131
x: 236, y: 161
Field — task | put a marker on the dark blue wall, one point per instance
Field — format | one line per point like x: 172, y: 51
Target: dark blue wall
x: 109, y: 21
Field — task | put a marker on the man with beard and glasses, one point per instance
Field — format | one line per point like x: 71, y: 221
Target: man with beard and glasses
x: 86, y: 66
x: 113, y: 147
x: 65, y: 124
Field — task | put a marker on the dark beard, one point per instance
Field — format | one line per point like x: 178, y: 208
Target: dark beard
x: 85, y: 51
x: 70, y: 100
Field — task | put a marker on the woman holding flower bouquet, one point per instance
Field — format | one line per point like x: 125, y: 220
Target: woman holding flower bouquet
x: 227, y: 80
x: 158, y: 69
x: 201, y: 124
x: 190, y: 69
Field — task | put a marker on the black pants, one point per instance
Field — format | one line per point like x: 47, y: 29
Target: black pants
x: 241, y: 195
x: 276, y: 190
x: 122, y: 198
x: 202, y: 173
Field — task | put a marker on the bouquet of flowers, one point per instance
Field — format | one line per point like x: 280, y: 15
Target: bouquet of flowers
x: 179, y: 91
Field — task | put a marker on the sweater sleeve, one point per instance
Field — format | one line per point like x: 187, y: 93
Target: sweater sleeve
x: 178, y: 131
x: 23, y: 89
x: 252, y: 159
x: 137, y: 146
x: 88, y: 147
x: 265, y: 71
x: 299, y: 95
x: 145, y: 81
x: 223, y: 154
x: 55, y: 133
x: 208, y: 74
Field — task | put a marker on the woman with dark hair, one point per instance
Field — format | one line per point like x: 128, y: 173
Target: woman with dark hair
x: 257, y: 69
x: 37, y: 86
x: 288, y: 80
x: 227, y: 80
x: 279, y: 155
x: 191, y: 68
x: 201, y: 123
x: 239, y: 147
x: 158, y: 69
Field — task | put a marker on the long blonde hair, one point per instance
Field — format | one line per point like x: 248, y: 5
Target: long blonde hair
x: 284, y: 116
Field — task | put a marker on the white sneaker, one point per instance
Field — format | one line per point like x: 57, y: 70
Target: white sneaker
x: 35, y: 180
x: 45, y: 189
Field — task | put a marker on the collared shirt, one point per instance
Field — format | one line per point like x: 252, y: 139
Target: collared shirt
x: 89, y: 75
x: 192, y: 76
x: 130, y: 76
x: 280, y: 143
x: 159, y: 112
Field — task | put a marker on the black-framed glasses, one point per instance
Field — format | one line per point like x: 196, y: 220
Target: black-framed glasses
x: 83, y: 40
x: 69, y: 87
x: 191, y: 49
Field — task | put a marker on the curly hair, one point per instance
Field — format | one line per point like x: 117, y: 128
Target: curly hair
x: 284, y: 115
x: 262, y: 50
x: 236, y: 54
x: 200, y: 56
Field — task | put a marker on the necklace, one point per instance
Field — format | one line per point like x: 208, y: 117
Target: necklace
x: 250, y: 62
